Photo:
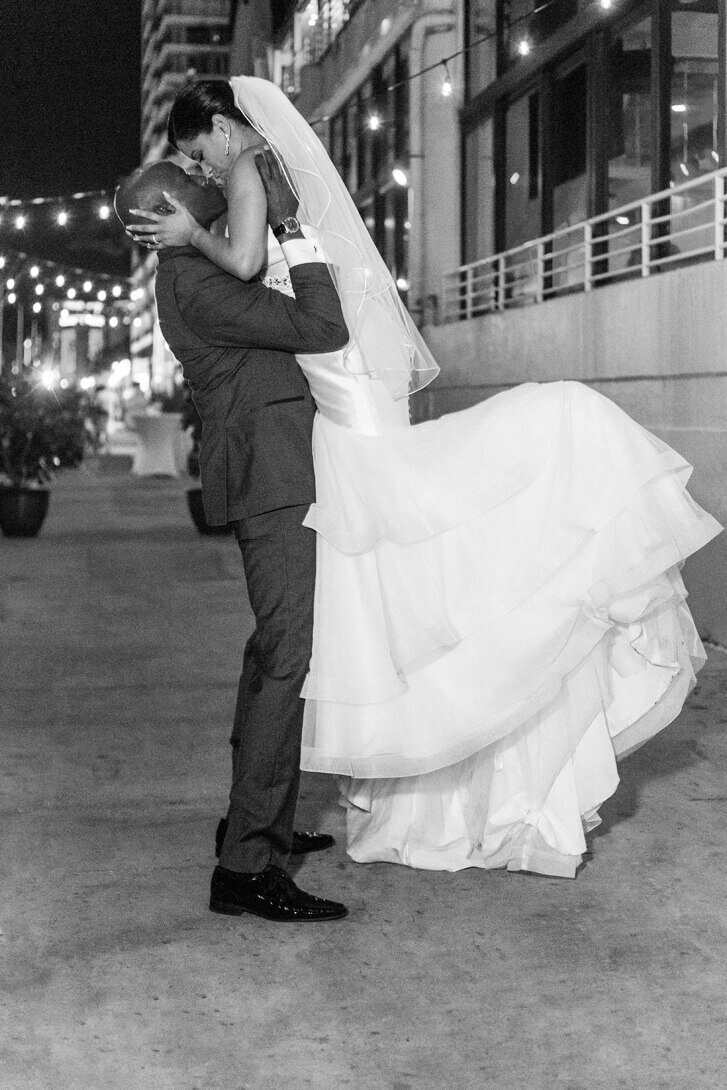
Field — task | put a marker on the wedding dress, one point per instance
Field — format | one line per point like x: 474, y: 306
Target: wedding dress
x: 499, y: 614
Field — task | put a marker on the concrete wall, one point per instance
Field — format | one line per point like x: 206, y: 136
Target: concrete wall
x: 657, y: 347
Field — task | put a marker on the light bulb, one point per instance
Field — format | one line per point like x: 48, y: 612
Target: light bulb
x: 374, y: 122
x: 12, y: 297
x: 60, y: 281
x: 62, y: 219
x: 39, y: 289
x: 400, y: 176
x: 101, y: 296
x: 104, y: 212
x: 37, y: 307
x: 71, y: 293
x: 34, y: 271
x: 87, y: 285
x: 523, y: 47
x: 20, y: 222
x: 116, y: 291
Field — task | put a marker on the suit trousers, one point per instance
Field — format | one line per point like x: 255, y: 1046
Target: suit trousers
x: 278, y: 555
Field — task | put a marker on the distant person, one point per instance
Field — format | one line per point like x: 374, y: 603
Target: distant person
x: 134, y: 401
x: 499, y: 614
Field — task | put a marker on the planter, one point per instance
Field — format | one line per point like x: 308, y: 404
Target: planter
x: 23, y: 510
x: 196, y: 510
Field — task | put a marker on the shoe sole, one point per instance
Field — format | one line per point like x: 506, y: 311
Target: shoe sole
x: 223, y: 908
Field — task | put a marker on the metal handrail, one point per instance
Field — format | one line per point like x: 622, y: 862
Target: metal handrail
x: 595, y: 252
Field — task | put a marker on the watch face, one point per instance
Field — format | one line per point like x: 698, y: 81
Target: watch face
x: 290, y: 223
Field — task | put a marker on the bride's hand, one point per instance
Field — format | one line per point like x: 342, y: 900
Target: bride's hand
x: 173, y: 228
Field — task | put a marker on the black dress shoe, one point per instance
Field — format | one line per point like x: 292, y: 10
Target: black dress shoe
x: 271, y: 894
x: 302, y: 842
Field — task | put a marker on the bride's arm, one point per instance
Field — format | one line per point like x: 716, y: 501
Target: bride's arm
x: 244, y: 253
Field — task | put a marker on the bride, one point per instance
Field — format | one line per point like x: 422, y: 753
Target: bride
x: 499, y: 613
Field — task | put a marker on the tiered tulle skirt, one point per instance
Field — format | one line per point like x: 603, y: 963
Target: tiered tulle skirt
x: 499, y: 617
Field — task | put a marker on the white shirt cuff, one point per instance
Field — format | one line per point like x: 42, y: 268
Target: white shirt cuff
x: 302, y: 251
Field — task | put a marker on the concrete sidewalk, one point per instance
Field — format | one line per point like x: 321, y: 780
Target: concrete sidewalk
x: 122, y: 631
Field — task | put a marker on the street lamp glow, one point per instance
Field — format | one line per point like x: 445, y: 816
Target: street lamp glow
x: 49, y: 377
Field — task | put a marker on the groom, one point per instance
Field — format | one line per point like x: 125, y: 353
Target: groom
x: 235, y: 341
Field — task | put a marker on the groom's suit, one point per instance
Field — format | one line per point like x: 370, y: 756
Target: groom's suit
x: 235, y: 342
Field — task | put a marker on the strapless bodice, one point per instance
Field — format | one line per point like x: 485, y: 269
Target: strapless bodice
x: 341, y: 389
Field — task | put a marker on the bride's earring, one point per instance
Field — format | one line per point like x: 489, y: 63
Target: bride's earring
x: 227, y: 143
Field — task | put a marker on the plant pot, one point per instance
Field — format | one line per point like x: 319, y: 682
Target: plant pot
x: 196, y: 510
x: 23, y: 510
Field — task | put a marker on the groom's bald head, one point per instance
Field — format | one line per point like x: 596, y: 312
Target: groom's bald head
x: 145, y: 187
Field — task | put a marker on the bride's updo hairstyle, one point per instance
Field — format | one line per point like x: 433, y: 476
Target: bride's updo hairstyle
x: 195, y: 106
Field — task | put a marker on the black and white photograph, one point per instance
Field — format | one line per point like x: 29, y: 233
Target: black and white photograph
x: 363, y: 476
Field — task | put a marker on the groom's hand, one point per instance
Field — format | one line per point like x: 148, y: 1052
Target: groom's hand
x: 282, y: 201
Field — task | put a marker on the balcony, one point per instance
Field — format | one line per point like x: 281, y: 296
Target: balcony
x: 681, y: 225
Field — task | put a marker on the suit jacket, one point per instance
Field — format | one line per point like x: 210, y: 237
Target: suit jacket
x: 235, y: 341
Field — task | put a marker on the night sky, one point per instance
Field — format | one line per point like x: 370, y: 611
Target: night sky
x: 69, y: 101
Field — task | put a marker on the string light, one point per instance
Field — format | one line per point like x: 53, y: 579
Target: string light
x: 446, y: 88
x: 87, y: 285
x: 524, y: 48
x: 20, y: 222
x: 10, y: 284
x: 34, y: 271
x: 71, y: 293
x: 60, y: 281
x: 39, y: 289
x: 37, y: 307
x: 400, y: 176
x: 11, y: 298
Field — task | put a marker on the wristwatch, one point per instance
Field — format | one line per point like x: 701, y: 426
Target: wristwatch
x: 288, y: 227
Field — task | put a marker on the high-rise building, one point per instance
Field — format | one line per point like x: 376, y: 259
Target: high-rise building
x: 180, y: 40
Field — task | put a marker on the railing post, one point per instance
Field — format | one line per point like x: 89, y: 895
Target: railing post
x: 587, y: 256
x: 645, y: 238
x: 719, y: 195
x: 501, y: 282
x: 540, y: 270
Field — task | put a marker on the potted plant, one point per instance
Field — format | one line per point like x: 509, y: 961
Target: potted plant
x: 191, y: 420
x: 41, y: 431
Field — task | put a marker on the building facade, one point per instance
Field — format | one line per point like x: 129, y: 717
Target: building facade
x: 593, y: 232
